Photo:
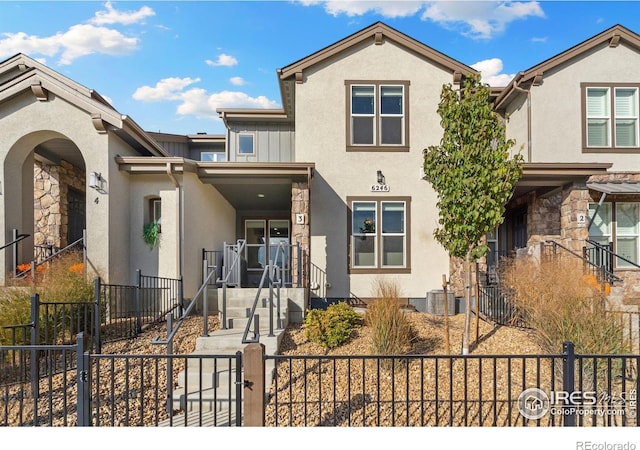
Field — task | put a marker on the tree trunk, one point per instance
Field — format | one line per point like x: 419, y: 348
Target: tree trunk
x: 467, y: 303
x: 446, y: 315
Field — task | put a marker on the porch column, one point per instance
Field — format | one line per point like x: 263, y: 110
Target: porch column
x: 300, y: 230
x: 574, y: 217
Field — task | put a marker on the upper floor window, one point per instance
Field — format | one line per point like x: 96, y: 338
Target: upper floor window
x: 377, y: 116
x: 246, y: 144
x: 611, y: 117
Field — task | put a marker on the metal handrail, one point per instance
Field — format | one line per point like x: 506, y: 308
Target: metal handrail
x: 275, y: 280
x: 224, y: 281
x: 600, y: 269
x: 35, y: 264
x: 15, y: 241
x: 608, y: 251
x: 202, y: 291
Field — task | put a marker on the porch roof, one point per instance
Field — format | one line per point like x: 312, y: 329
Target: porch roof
x: 615, y: 187
x: 545, y: 178
x: 264, y: 186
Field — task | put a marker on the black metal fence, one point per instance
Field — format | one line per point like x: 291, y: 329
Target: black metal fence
x: 472, y: 390
x: 494, y: 305
x: 117, y: 390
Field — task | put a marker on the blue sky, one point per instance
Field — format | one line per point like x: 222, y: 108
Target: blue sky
x: 170, y: 64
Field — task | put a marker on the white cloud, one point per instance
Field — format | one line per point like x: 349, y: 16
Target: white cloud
x: 78, y: 40
x: 196, y: 101
x: 385, y: 8
x: 237, y: 81
x: 473, y: 18
x: 223, y: 60
x: 480, y: 19
x: 490, y: 71
x: 112, y: 15
x: 165, y: 89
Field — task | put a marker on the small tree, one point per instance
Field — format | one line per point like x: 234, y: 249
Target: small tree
x: 472, y: 173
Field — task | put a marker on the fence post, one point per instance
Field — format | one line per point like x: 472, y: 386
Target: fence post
x: 568, y: 381
x: 84, y: 383
x: 170, y: 368
x: 205, y: 298
x: 239, y: 386
x: 254, y: 393
x: 97, y: 320
x: 180, y: 296
x: 14, y: 248
x: 138, y: 304
x: 84, y: 251
x: 35, y: 340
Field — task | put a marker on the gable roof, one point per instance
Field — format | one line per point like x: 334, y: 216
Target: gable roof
x: 534, y: 75
x: 289, y: 75
x: 377, y: 33
x: 21, y: 73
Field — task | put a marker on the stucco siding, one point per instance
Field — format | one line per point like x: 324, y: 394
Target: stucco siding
x: 321, y: 111
x: 556, y: 115
x: 209, y: 221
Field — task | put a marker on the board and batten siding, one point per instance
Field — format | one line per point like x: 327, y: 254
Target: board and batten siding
x: 272, y: 142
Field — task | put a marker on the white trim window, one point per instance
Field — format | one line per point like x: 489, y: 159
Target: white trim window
x: 377, y: 115
x: 618, y: 223
x: 612, y: 121
x: 627, y: 218
x: 246, y: 144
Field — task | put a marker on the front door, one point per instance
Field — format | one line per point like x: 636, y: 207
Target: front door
x: 77, y: 218
x: 262, y: 238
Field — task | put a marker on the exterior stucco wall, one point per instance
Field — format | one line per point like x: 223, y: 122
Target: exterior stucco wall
x: 209, y: 221
x: 556, y: 115
x: 26, y: 123
x: 321, y: 137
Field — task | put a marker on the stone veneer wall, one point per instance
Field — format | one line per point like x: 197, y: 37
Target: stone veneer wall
x: 300, y: 233
x: 50, y: 189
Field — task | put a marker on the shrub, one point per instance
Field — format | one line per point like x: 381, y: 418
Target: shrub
x: 331, y: 327
x: 391, y: 328
x: 60, y: 280
x: 562, y: 304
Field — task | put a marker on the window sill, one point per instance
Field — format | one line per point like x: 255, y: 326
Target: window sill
x: 611, y: 150
x: 356, y: 271
x: 371, y: 148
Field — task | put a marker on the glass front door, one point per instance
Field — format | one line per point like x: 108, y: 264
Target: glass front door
x: 263, y: 236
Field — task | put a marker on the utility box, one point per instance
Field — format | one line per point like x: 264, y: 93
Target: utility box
x: 435, y: 303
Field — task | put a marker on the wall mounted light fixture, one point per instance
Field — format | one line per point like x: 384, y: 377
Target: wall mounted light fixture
x: 380, y: 177
x: 97, y: 182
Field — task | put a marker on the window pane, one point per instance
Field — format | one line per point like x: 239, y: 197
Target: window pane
x: 393, y: 251
x: 362, y: 130
x: 364, y: 251
x: 602, y: 223
x: 625, y: 133
x: 362, y: 99
x: 626, y: 102
x: 598, y: 133
x: 391, y: 100
x: 393, y: 217
x: 245, y: 143
x: 364, y: 217
x: 627, y: 218
x: 597, y: 102
x: 391, y: 130
x: 627, y: 248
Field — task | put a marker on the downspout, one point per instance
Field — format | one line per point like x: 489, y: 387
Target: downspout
x: 180, y: 221
x: 528, y: 92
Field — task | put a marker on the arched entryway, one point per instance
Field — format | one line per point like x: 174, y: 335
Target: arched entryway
x: 47, y: 195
